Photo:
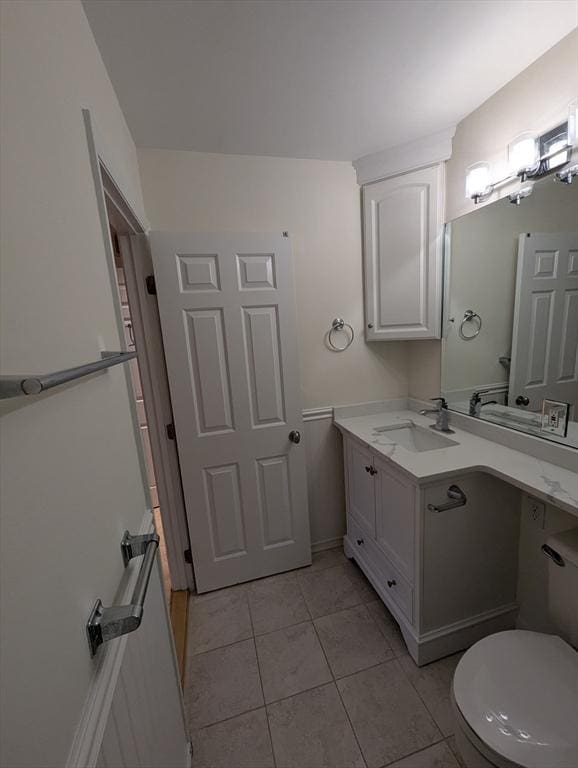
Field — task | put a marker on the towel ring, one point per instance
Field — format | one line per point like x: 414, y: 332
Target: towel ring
x: 469, y: 317
x: 338, y: 324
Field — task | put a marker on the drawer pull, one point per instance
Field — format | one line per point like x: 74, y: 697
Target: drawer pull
x: 391, y: 583
x: 360, y: 541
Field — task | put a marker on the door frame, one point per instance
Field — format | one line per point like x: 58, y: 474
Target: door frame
x: 114, y: 209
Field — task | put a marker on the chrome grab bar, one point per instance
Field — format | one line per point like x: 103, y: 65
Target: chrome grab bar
x: 458, y: 500
x: 15, y: 386
x: 105, y: 624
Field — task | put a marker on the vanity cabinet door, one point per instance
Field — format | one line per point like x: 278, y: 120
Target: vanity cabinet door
x: 395, y: 518
x: 402, y: 252
x: 361, y: 476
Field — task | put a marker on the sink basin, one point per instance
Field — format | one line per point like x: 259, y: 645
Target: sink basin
x: 414, y: 438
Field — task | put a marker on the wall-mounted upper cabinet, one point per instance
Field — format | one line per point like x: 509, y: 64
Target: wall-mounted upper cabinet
x: 402, y: 253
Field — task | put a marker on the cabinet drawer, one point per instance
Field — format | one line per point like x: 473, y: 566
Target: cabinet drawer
x: 398, y: 588
x: 393, y: 583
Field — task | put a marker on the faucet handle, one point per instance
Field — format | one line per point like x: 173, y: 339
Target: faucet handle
x: 441, y: 400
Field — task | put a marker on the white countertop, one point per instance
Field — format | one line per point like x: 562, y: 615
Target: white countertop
x: 553, y: 484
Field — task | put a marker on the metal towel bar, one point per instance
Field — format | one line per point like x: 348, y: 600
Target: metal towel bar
x: 15, y: 386
x: 105, y: 624
x: 458, y: 500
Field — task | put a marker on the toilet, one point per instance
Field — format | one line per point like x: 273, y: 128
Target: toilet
x: 515, y: 693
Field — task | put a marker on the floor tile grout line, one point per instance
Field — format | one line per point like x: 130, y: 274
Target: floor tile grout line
x: 415, y: 752
x: 266, y: 704
x: 261, y: 684
x: 227, y: 719
x: 270, y: 632
x: 340, y: 696
x: 421, y: 698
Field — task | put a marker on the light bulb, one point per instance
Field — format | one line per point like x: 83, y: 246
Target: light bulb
x: 523, y: 154
x: 477, y: 180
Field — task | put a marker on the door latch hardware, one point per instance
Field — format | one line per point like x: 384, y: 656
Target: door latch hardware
x: 188, y: 556
x: 171, y: 431
x: 295, y: 436
x: 151, y: 285
x: 133, y: 546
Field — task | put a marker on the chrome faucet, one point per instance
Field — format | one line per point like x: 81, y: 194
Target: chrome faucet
x: 476, y: 398
x: 442, y: 420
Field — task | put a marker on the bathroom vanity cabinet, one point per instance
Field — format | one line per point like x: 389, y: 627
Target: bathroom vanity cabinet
x: 449, y: 578
x: 402, y: 253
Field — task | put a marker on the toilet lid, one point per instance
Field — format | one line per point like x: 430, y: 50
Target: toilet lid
x: 518, y: 691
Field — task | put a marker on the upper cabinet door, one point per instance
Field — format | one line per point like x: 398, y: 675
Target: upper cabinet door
x: 403, y: 235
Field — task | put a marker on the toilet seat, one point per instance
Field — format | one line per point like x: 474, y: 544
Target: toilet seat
x: 518, y: 692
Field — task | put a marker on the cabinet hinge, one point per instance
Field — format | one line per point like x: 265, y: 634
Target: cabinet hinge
x: 188, y: 556
x: 151, y: 285
x: 171, y: 433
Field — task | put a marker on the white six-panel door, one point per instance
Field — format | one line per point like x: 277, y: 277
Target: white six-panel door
x: 228, y: 317
x: 545, y: 335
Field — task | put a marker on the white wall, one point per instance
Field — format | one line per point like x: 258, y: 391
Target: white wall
x: 71, y: 482
x: 318, y: 203
x: 534, y: 100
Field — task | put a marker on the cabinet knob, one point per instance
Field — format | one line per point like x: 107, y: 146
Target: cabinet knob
x: 372, y: 471
x: 370, y: 325
x: 368, y: 469
x: 360, y: 542
x: 391, y: 583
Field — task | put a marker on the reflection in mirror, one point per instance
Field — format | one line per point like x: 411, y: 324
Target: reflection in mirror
x: 510, y: 346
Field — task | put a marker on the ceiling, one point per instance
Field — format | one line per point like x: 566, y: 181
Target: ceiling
x: 326, y: 79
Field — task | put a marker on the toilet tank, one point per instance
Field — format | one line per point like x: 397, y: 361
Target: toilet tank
x: 562, y: 549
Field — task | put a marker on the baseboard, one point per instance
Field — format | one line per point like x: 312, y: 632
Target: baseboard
x: 320, y: 546
x: 89, y: 733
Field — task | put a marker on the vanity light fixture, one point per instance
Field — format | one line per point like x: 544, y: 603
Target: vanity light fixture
x: 568, y: 174
x: 524, y: 155
x: 530, y: 156
x: 478, y: 186
x: 525, y: 191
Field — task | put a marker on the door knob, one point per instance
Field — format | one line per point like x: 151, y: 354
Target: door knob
x: 295, y: 436
x: 522, y: 400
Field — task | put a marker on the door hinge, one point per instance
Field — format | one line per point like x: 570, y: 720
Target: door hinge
x: 171, y: 433
x: 188, y: 556
x: 151, y: 285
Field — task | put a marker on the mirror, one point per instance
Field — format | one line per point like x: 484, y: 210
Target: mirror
x: 510, y: 345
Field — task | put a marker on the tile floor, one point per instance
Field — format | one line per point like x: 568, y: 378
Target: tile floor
x: 309, y: 670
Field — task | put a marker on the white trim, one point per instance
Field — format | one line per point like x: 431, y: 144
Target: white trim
x: 89, y: 733
x: 316, y: 414
x: 154, y: 380
x: 428, y: 150
x: 172, y: 506
x: 321, y: 546
x: 96, y: 163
